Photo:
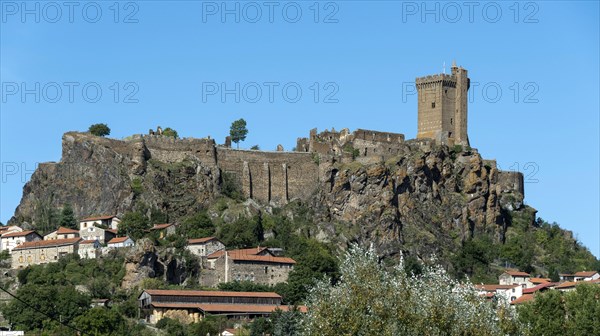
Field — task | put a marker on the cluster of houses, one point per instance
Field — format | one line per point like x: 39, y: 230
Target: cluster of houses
x: 516, y: 287
x: 96, y: 235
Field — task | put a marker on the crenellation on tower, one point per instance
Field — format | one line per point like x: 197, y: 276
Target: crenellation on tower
x: 442, y: 107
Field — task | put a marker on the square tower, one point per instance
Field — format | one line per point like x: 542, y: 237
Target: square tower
x: 442, y: 107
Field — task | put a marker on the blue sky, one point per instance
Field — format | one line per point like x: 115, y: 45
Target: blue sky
x: 534, y: 70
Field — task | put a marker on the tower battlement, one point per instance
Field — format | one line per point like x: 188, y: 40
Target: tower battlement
x: 442, y: 107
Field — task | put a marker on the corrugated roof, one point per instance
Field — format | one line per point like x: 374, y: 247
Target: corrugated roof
x: 172, y: 292
x: 18, y: 234
x: 47, y: 243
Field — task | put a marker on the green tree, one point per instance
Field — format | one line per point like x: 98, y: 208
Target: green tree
x: 44, y: 305
x: 370, y: 297
x: 242, y: 233
x: 101, y: 321
x: 563, y: 313
x: 260, y: 327
x: 238, y: 131
x: 134, y: 225
x: 170, y: 132
x: 99, y: 130
x: 67, y: 217
x: 255, y: 147
x: 196, y: 226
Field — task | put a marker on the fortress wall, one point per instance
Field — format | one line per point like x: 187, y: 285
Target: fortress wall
x: 377, y: 136
x: 271, y: 176
x: 510, y: 181
x: 170, y: 150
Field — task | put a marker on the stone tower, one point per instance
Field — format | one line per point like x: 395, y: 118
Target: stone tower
x: 443, y: 107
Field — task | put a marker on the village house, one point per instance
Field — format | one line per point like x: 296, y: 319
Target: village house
x: 163, y: 230
x: 62, y: 233
x: 43, y: 251
x: 532, y: 282
x: 586, y: 276
x: 190, y: 306
x: 11, y: 240
x: 119, y: 242
x: 8, y: 229
x: 92, y: 232
x: 514, y: 278
x: 504, y: 293
x: 89, y: 249
x: 111, y: 222
x: 204, y: 246
x: 257, y: 265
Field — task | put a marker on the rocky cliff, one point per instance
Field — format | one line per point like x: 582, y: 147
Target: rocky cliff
x: 424, y: 197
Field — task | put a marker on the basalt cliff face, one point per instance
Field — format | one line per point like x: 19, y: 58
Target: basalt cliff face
x: 409, y: 200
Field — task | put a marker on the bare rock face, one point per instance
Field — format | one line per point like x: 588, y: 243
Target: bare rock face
x: 146, y: 261
x: 420, y: 202
x: 99, y: 176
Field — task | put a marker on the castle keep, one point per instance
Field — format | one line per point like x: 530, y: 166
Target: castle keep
x: 443, y: 107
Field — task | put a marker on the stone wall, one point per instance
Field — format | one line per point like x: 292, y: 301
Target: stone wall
x: 260, y: 272
x: 42, y: 255
x: 270, y: 176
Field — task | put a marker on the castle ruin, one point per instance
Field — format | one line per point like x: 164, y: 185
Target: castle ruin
x: 442, y: 107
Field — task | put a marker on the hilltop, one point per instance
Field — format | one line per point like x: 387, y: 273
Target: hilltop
x: 415, y: 197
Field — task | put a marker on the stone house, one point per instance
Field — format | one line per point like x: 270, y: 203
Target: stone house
x: 204, y: 246
x: 62, y: 233
x: 119, y: 242
x: 43, y: 251
x: 97, y: 233
x: 532, y: 282
x: 11, y: 240
x: 257, y: 265
x: 190, y: 306
x: 514, y: 278
x: 111, y: 222
x: 89, y: 249
x: 163, y: 230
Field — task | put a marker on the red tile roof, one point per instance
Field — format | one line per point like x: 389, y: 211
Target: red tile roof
x: 19, y: 234
x: 243, y: 308
x: 97, y: 218
x: 200, y: 240
x: 47, y: 243
x: 539, y: 280
x: 567, y: 284
x: 539, y: 287
x: 248, y: 251
x: 160, y: 226
x: 585, y: 274
x: 64, y: 230
x: 112, y: 231
x: 117, y: 240
x: 171, y: 292
x: 517, y: 273
x: 267, y: 259
x: 522, y: 299
x: 88, y: 241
